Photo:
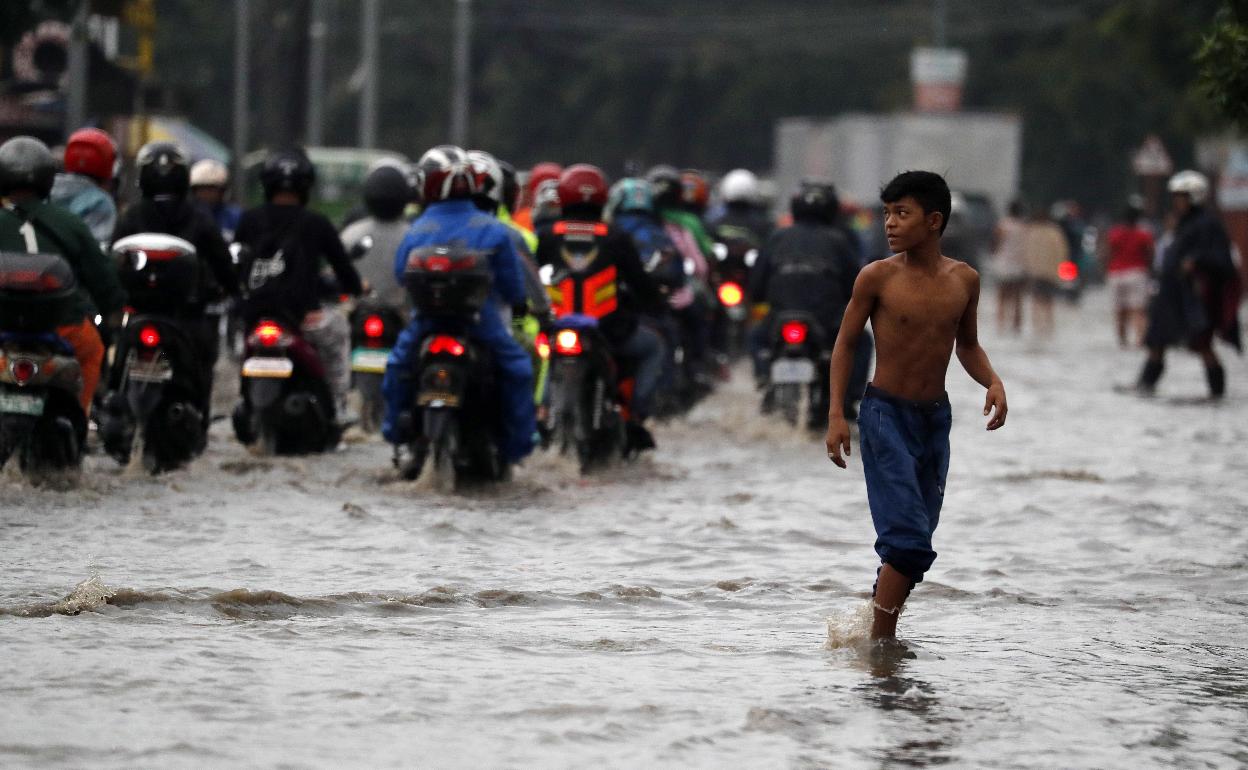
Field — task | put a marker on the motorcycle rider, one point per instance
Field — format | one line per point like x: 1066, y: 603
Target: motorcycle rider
x: 621, y: 293
x: 84, y: 187
x: 164, y: 179
x: 28, y: 223
x: 695, y: 192
x: 306, y: 240
x: 687, y: 233
x: 388, y: 189
x: 210, y: 182
x: 451, y: 219
x: 810, y: 267
x: 743, y: 218
x: 542, y: 172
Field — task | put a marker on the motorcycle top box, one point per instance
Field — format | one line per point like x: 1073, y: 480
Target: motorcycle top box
x: 159, y: 272
x: 448, y: 281
x: 35, y: 291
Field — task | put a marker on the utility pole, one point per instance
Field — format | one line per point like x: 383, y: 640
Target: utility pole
x: 318, y: 31
x: 76, y: 108
x: 462, y: 82
x: 368, y: 63
x: 242, y: 51
x: 940, y: 23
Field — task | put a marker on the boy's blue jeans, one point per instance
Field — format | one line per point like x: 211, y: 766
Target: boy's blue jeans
x: 905, y: 458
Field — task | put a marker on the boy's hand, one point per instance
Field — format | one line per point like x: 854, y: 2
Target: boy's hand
x: 995, y: 398
x: 837, y: 439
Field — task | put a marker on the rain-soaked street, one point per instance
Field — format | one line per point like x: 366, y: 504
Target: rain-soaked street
x: 697, y: 608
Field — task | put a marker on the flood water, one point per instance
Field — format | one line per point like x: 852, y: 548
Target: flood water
x: 699, y: 608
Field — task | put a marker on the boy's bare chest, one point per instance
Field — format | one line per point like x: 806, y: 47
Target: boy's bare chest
x: 923, y: 302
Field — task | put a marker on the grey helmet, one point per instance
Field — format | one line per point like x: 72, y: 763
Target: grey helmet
x: 26, y: 163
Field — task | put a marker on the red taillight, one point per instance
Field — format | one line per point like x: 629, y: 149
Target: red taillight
x: 268, y: 333
x: 1068, y: 271
x: 23, y: 370
x: 543, y: 345
x: 794, y: 332
x: 568, y: 343
x: 444, y: 343
x: 149, y: 336
x: 730, y: 294
x: 437, y: 264
x: 374, y: 326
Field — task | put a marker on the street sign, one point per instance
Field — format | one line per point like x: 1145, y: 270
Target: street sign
x: 1151, y: 159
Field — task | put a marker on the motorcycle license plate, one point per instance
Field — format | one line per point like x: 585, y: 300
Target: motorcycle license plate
x: 151, y: 371
x: 262, y: 366
x: 789, y: 371
x: 369, y: 360
x: 21, y: 403
x: 435, y: 399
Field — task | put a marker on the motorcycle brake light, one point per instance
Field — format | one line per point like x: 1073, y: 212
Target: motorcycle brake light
x: 794, y: 332
x: 543, y: 345
x: 268, y: 333
x: 23, y: 370
x: 374, y: 326
x: 730, y: 294
x: 149, y: 336
x: 568, y: 342
x: 444, y: 343
x: 1068, y: 271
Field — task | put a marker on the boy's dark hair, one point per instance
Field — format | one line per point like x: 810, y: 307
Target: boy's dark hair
x: 926, y: 187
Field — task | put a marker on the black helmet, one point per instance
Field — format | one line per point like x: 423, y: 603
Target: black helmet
x: 288, y: 171
x: 511, y: 186
x: 665, y: 181
x: 816, y: 201
x: 164, y: 170
x: 387, y: 191
x: 26, y: 164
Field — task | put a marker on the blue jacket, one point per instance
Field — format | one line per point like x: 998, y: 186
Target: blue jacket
x: 459, y: 222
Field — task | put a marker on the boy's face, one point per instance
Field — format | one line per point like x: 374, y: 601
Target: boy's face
x: 906, y: 225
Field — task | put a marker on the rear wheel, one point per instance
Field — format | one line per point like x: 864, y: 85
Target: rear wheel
x: 445, y: 469
x: 788, y: 401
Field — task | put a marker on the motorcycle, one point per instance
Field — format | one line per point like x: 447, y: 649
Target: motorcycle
x: 160, y: 389
x: 375, y: 327
x: 456, y: 419
x: 588, y: 412
x: 799, y: 361
x: 286, y: 403
x: 730, y: 275
x: 41, y: 419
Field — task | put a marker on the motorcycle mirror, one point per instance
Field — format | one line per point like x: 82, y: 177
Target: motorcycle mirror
x: 721, y: 251
x: 751, y: 257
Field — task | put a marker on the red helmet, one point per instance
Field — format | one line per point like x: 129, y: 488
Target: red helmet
x: 90, y: 151
x: 582, y: 185
x: 445, y: 173
x: 695, y: 192
x: 540, y: 173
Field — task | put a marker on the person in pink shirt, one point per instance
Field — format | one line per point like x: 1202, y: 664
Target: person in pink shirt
x: 1130, y: 251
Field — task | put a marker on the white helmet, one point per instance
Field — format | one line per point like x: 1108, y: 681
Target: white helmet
x: 1193, y: 183
x: 489, y: 175
x: 209, y: 173
x: 739, y: 185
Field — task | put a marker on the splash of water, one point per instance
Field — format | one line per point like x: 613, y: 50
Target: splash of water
x: 850, y: 628
x: 87, y: 595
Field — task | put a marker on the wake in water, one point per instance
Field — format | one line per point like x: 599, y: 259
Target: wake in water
x: 852, y: 628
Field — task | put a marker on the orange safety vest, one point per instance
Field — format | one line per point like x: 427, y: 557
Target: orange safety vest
x: 578, y: 287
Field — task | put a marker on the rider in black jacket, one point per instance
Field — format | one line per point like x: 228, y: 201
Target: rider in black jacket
x: 601, y: 275
x: 809, y: 266
x: 291, y: 243
x: 164, y: 179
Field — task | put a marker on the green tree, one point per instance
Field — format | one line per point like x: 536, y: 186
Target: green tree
x: 1223, y: 62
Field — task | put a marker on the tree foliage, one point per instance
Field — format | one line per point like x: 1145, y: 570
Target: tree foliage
x: 1223, y: 62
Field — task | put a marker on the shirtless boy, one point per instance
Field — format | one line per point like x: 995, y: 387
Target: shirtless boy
x: 922, y: 308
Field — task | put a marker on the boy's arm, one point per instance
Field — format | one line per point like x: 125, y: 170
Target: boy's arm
x: 857, y: 312
x: 975, y: 360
